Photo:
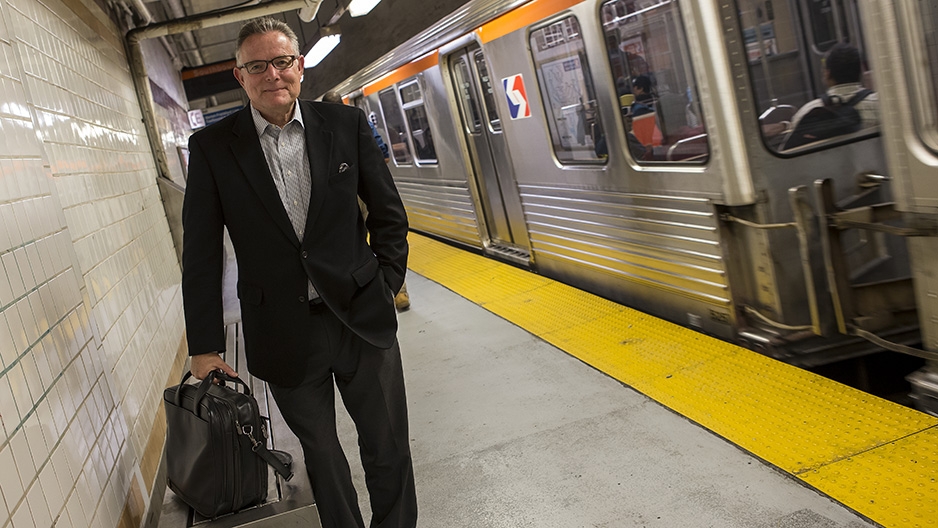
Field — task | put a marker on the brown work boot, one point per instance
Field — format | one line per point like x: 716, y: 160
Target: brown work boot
x: 402, y: 301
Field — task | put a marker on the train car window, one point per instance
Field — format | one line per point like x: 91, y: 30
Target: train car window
x: 808, y: 73
x: 654, y: 81
x: 567, y: 90
x: 416, y: 112
x: 467, y: 97
x: 397, y: 131
x: 488, y: 92
x: 924, y: 78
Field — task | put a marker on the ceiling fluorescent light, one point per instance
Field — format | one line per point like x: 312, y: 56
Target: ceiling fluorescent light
x: 329, y: 38
x: 361, y: 7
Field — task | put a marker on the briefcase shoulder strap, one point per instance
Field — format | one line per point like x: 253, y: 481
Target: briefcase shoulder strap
x: 281, y: 461
x: 274, y: 459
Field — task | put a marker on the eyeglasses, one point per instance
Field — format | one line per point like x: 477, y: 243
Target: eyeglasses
x: 260, y: 66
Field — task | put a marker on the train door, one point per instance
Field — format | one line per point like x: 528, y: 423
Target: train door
x: 503, y: 219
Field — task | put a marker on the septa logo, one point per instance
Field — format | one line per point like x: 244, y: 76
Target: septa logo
x: 517, y: 98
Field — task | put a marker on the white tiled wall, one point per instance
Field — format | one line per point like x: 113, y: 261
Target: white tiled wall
x: 90, y: 306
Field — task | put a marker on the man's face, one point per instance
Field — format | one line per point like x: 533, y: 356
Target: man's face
x: 273, y: 91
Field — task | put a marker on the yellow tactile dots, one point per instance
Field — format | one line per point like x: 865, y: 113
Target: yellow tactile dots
x: 896, y: 484
x: 876, y: 457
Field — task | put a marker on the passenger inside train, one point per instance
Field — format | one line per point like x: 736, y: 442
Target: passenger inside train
x: 645, y: 98
x: 845, y: 108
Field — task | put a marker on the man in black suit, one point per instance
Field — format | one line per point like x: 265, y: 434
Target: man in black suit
x: 317, y: 301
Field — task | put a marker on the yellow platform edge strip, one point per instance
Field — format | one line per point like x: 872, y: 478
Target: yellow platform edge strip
x: 873, y: 456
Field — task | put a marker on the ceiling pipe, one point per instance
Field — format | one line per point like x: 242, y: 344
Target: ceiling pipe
x: 145, y: 17
x: 339, y: 11
x: 142, y: 11
x: 188, y: 39
x: 172, y: 27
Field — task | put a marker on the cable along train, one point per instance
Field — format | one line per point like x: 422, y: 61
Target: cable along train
x: 643, y: 150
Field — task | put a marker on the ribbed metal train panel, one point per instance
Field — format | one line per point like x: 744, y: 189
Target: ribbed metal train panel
x: 441, y: 207
x: 671, y: 242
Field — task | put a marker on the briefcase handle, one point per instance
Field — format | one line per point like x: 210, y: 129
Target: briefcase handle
x: 204, y: 385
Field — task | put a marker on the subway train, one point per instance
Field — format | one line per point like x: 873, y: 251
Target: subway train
x: 645, y: 151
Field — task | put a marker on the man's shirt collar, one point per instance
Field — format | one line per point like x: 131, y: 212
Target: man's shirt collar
x: 260, y: 123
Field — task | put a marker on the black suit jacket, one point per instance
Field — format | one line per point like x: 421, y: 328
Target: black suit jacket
x: 229, y: 184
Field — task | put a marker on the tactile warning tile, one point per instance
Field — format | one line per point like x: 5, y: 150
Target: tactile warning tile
x: 896, y: 484
x: 475, y: 277
x: 634, y: 347
x: 430, y: 257
x: 551, y: 307
x: 806, y: 425
x: 787, y: 416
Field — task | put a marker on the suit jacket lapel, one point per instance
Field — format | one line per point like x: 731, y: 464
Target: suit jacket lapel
x: 246, y: 149
x: 319, y: 151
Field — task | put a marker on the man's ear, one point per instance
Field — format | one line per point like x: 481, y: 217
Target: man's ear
x: 237, y: 73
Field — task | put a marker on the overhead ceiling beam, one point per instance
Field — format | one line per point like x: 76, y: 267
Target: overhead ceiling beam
x: 217, y: 18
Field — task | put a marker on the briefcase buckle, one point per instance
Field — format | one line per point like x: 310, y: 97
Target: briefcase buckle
x: 248, y: 430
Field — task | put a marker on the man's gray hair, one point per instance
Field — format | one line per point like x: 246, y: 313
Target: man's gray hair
x: 262, y: 25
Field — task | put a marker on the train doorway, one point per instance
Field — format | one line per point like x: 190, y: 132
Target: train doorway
x: 503, y: 218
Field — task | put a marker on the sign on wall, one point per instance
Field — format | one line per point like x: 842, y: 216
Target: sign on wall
x: 196, y: 119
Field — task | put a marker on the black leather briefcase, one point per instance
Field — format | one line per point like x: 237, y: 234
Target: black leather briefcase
x: 216, y: 452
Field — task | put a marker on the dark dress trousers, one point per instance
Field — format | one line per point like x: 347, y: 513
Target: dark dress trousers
x: 296, y: 347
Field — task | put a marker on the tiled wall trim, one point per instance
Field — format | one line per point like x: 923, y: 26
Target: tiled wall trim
x: 90, y: 304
